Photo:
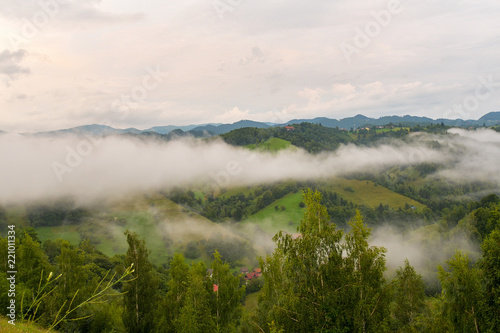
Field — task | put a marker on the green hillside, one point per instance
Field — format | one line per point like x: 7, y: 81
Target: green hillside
x: 273, y: 220
x: 166, y: 226
x: 365, y: 192
x: 271, y: 144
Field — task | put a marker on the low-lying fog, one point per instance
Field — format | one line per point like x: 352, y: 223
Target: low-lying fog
x: 89, y: 169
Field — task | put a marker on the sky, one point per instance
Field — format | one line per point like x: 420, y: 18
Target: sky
x: 123, y: 63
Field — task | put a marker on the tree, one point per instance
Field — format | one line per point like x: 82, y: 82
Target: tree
x: 409, y: 296
x: 462, y: 294
x: 490, y: 265
x: 226, y: 307
x: 174, y: 301
x: 32, y: 261
x: 314, y: 282
x: 365, y: 271
x: 195, y: 314
x: 140, y: 293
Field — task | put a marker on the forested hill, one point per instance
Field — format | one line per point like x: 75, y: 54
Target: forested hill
x: 312, y: 137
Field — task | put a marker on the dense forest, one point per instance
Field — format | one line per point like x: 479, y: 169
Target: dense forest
x: 322, y: 279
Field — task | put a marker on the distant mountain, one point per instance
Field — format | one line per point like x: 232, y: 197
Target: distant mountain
x: 492, y: 117
x: 169, y: 128
x: 89, y: 130
x: 357, y: 121
x: 224, y: 128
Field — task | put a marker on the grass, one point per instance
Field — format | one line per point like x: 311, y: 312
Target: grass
x: 365, y: 192
x: 360, y: 192
x: 383, y: 130
x: 271, y: 144
x: 5, y: 327
x: 271, y: 220
x: 165, y: 226
x: 251, y: 302
x: 67, y: 232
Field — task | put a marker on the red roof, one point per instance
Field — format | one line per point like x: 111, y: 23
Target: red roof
x: 216, y: 287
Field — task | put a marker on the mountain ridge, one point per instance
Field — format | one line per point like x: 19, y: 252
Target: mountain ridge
x: 491, y: 118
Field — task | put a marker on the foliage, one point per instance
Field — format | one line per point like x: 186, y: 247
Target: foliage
x: 317, y: 283
x: 463, y: 294
x: 409, y: 297
x: 140, y: 293
x: 490, y: 265
x: 313, y: 138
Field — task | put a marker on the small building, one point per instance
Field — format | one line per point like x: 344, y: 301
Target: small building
x: 289, y: 128
x: 255, y: 273
x: 244, y: 270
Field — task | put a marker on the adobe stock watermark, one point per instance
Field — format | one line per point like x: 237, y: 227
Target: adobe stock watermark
x: 372, y: 29
x: 483, y: 91
x: 222, y: 7
x: 233, y: 168
x: 32, y: 26
x: 138, y: 94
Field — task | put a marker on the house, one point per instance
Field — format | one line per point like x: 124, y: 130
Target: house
x: 289, y: 128
x: 243, y: 270
x: 250, y: 276
x: 255, y: 273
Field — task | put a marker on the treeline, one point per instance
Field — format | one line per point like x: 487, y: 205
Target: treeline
x: 319, y: 280
x: 446, y: 200
x: 312, y: 137
x: 239, y: 206
x: 49, y: 214
x: 316, y: 138
x: 235, y: 207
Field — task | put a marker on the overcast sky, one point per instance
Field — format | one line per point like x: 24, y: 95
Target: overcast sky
x: 66, y: 63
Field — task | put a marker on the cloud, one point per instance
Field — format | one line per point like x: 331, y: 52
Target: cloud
x: 69, y: 12
x: 89, y: 169
x: 232, y: 116
x: 10, y: 67
x: 425, y: 248
x: 478, y: 156
x: 264, y: 55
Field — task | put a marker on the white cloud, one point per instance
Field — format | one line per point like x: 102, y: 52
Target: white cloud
x: 232, y: 116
